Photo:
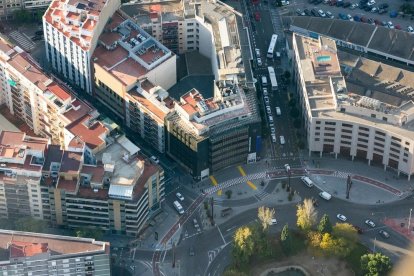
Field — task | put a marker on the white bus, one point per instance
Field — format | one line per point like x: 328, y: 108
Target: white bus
x: 272, y: 46
x: 272, y: 77
x: 178, y: 207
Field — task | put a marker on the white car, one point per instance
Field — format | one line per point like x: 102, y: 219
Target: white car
x: 179, y: 196
x: 370, y: 223
x: 257, y: 52
x: 266, y: 99
x: 259, y: 61
x: 287, y: 167
x: 155, y: 159
x: 265, y: 92
x: 371, y: 3
x: 329, y: 15
x: 282, y: 140
x: 410, y: 29
x: 273, y: 138
x: 390, y: 25
x: 341, y: 217
x: 354, y: 6
x: 349, y: 17
x: 269, y: 111
x: 273, y: 221
x: 321, y: 13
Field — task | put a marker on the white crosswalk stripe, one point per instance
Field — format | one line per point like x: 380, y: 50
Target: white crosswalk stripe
x: 212, y: 254
x: 262, y: 195
x: 22, y: 40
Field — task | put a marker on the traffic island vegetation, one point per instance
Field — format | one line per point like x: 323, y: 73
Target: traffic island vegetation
x: 254, y: 246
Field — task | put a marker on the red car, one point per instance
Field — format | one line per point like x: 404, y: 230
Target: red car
x: 398, y: 27
x: 257, y: 16
x: 364, y: 19
x: 377, y: 22
x: 332, y: 3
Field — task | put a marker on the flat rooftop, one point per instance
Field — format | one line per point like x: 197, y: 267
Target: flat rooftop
x: 56, y: 245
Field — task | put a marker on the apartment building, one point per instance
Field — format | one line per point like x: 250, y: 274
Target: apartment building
x: 26, y: 253
x: 118, y: 194
x: 212, y: 28
x: 71, y: 30
x: 365, y: 111
x: 132, y: 71
x: 21, y: 159
x: 41, y: 101
x: 206, y: 135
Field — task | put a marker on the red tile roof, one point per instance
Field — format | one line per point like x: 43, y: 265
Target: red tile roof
x: 59, y: 91
x: 26, y: 249
x: 90, y: 135
x: 68, y: 185
x: 71, y: 162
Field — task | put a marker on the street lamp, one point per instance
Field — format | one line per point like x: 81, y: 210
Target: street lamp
x: 409, y: 222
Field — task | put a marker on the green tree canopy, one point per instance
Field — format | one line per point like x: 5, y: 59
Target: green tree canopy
x: 375, y: 264
x: 286, y: 239
x: 325, y: 225
x: 346, y: 231
x: 29, y: 224
x: 89, y: 233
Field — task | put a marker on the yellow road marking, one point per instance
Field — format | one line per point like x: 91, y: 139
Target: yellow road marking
x: 214, y: 181
x: 242, y: 172
x: 251, y: 185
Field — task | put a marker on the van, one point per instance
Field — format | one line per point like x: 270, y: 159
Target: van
x: 282, y: 140
x: 264, y: 80
x: 278, y: 112
x: 178, y: 207
x: 308, y: 182
x: 325, y: 195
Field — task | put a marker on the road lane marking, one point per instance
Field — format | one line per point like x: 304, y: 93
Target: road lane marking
x: 214, y: 181
x: 165, y: 253
x: 221, y: 235
x: 231, y: 228
x: 251, y: 185
x: 242, y: 172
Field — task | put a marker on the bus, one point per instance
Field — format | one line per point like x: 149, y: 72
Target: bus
x: 178, y: 207
x: 272, y: 77
x: 272, y: 46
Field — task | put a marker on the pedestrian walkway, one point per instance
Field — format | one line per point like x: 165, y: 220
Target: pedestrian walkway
x: 214, y: 181
x: 400, y: 226
x: 243, y: 173
x: 22, y: 40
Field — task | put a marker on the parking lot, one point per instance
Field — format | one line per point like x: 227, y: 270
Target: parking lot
x: 376, y: 18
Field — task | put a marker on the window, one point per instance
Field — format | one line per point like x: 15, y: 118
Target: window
x: 330, y: 123
x: 407, y: 143
x: 405, y: 160
x: 363, y: 134
x: 396, y: 139
x: 328, y: 140
x: 364, y: 128
x: 318, y: 122
x: 346, y: 125
x: 330, y: 134
x: 384, y: 119
x: 379, y: 139
x: 362, y: 146
x: 347, y: 130
x: 362, y: 140
x: 190, y: 30
x: 373, y: 116
x: 317, y: 128
x: 317, y: 139
x: 395, y: 144
x: 394, y: 156
x: 394, y: 150
x: 342, y: 109
x: 380, y: 133
x: 345, y: 142
x: 317, y: 133
x: 190, y: 36
x: 378, y: 144
x: 379, y: 150
x: 330, y: 128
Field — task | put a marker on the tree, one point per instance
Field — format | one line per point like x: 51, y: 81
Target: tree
x: 306, y: 215
x: 265, y: 216
x: 21, y: 16
x: 375, y: 264
x: 294, y: 112
x: 229, y: 193
x: 243, y: 246
x: 89, y: 233
x: 292, y: 102
x: 325, y: 225
x: 346, y: 231
x: 286, y: 239
x: 29, y: 224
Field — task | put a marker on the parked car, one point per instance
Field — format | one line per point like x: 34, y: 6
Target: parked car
x: 390, y: 25
x: 273, y: 221
x: 370, y: 223
x: 384, y: 23
x: 349, y: 17
x: 329, y: 15
x: 287, y: 167
x: 354, y: 6
x: 321, y: 13
x: 359, y: 229
x: 341, y: 217
x: 342, y: 16
x: 347, y: 4
x: 383, y: 6
x: 257, y: 52
x: 307, y: 12
x: 257, y: 16
x: 357, y: 18
x: 371, y: 21
x: 382, y: 11
x: 191, y: 251
x: 374, y: 10
x: 339, y: 3
x: 332, y: 3
x: 377, y: 22
x: 315, y: 12
x: 155, y: 159
x: 315, y: 202
x: 398, y: 27
x: 384, y: 234
x: 364, y: 19
x: 393, y: 14
x: 300, y: 12
x: 179, y: 196
x: 410, y: 29
x: 371, y: 3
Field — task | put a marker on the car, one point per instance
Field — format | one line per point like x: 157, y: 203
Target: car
x: 371, y: 21
x: 284, y: 2
x: 377, y: 22
x: 282, y: 139
x: 390, y: 25
x: 307, y: 181
x: 349, y: 17
x: 341, y: 217
x: 384, y: 234
x: 358, y: 229
x: 329, y: 15
x: 383, y: 6
x: 364, y: 19
x: 179, y: 196
x: 307, y: 12
x: 274, y: 138
x: 382, y: 11
x: 315, y: 12
x: 257, y: 16
x: 398, y: 27
x: 315, y: 202
x: 300, y: 12
x: 354, y: 6
x: 272, y: 130
x: 342, y: 16
x: 367, y: 8
x: 393, y: 14
x: 339, y: 3
x: 195, y: 222
x: 374, y: 10
x: 287, y: 167
x: 191, y: 251
x: 37, y: 37
x: 266, y: 99
x: 347, y: 4
x: 265, y: 92
x: 273, y: 221
x: 326, y: 2
x: 332, y: 3
x: 259, y: 61
x: 269, y: 111
x: 410, y: 29
x: 370, y: 223
x: 371, y: 3
x: 321, y: 13
x: 155, y: 159
x: 257, y: 52
x: 357, y: 18
x: 384, y: 23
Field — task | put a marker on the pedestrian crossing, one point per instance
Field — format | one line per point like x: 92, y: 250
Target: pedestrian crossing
x: 262, y: 195
x: 25, y: 42
x: 212, y: 254
x: 341, y: 174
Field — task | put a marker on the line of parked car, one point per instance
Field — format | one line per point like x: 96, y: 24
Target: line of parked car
x: 367, y: 5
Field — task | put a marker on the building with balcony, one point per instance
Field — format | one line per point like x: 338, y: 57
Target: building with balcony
x: 71, y: 30
x: 206, y: 135
x: 25, y: 253
x: 364, y: 111
x: 132, y: 71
